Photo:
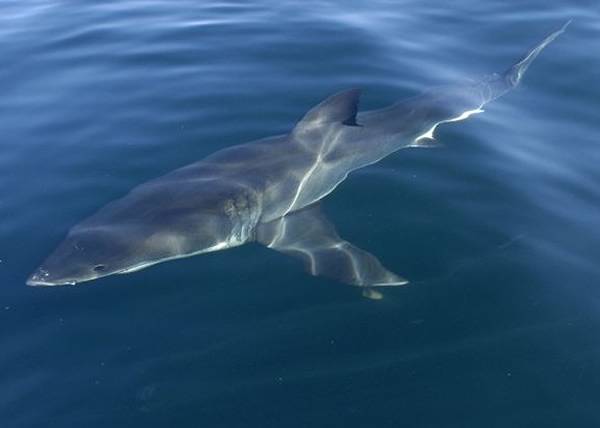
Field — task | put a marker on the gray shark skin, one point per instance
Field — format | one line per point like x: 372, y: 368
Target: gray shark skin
x: 268, y: 191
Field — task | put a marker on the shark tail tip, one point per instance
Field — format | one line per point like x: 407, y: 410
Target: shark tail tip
x: 515, y: 73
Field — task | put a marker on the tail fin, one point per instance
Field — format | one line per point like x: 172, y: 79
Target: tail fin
x: 515, y: 73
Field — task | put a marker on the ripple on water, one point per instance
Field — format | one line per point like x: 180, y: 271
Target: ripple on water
x: 497, y: 230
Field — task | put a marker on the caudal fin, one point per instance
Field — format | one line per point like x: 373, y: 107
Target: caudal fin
x: 515, y: 73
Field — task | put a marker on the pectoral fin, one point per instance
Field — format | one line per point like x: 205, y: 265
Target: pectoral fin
x: 310, y: 237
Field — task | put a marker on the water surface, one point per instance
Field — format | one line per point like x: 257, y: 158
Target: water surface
x: 498, y: 230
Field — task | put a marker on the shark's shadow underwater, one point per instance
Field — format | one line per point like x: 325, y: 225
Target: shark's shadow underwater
x: 268, y: 191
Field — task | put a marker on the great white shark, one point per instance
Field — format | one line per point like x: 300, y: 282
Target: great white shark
x: 268, y: 191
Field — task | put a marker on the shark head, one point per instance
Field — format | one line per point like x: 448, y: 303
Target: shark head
x: 90, y: 253
x: 141, y: 230
x: 85, y: 255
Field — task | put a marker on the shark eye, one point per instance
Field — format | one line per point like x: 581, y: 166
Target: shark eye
x: 99, y: 268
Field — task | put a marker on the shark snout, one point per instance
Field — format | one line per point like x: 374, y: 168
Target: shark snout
x: 39, y: 277
x: 42, y: 278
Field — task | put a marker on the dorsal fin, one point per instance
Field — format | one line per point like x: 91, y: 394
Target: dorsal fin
x: 341, y: 107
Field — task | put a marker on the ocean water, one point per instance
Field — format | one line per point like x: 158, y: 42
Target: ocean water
x: 498, y: 230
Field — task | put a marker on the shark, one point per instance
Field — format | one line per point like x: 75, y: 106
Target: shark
x: 269, y: 191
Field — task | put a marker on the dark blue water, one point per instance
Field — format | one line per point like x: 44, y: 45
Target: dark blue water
x: 498, y: 231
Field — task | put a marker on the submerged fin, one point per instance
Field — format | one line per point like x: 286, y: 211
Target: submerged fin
x: 515, y: 73
x: 341, y: 107
x: 459, y: 102
x: 310, y: 237
x: 369, y: 293
x: 497, y: 85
